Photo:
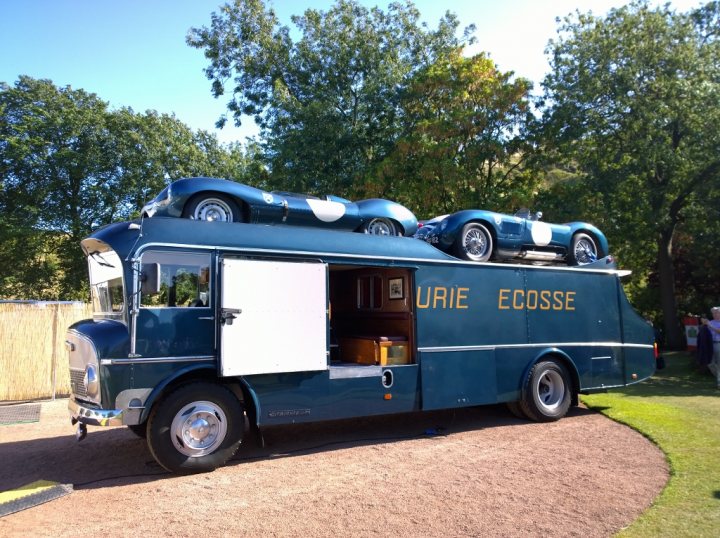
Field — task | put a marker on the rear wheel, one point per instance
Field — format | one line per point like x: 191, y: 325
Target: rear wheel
x: 475, y: 243
x: 583, y: 250
x: 548, y: 392
x: 196, y: 428
x: 212, y: 207
x: 381, y: 226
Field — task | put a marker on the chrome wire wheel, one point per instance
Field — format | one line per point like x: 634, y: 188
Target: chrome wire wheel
x: 213, y: 209
x: 550, y: 390
x: 584, y: 250
x: 199, y: 428
x: 380, y: 226
x: 474, y: 243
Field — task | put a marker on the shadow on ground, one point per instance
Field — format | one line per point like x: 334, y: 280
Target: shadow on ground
x: 116, y: 456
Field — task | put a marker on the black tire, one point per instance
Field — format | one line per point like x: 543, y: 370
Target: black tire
x: 583, y: 250
x: 475, y: 243
x: 212, y: 207
x: 381, y: 226
x: 515, y: 409
x: 139, y: 429
x: 196, y: 428
x: 548, y: 392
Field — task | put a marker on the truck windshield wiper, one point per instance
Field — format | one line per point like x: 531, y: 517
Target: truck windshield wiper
x: 100, y: 260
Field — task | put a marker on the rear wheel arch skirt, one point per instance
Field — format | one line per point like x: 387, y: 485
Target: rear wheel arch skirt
x: 557, y: 355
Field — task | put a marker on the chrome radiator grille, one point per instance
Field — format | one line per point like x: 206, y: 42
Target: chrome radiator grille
x: 76, y: 382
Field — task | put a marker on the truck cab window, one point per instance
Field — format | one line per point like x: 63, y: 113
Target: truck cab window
x: 106, y: 284
x: 174, y: 279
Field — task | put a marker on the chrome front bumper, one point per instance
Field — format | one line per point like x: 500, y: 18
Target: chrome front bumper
x: 94, y: 417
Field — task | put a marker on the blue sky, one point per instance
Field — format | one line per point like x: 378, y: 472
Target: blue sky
x: 133, y: 52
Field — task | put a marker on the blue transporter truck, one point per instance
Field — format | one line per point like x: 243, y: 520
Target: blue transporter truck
x: 198, y: 325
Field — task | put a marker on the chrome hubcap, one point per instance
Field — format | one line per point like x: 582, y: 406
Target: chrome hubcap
x: 550, y: 390
x: 213, y: 209
x: 198, y: 429
x: 380, y: 227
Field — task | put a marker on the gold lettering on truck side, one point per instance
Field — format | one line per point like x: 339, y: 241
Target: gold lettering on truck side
x: 441, y: 297
x: 520, y: 299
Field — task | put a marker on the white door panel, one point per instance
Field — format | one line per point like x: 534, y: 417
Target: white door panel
x: 282, y: 324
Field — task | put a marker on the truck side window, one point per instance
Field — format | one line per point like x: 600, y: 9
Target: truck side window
x: 180, y: 279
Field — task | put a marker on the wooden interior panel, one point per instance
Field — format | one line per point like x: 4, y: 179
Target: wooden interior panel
x: 360, y: 309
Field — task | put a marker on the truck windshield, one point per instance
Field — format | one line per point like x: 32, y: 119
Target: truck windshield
x: 106, y: 285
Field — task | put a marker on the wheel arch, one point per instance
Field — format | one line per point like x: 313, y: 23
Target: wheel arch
x: 207, y: 373
x: 242, y: 205
x: 490, y: 227
x: 457, y: 221
x: 397, y: 224
x: 561, y: 357
x: 596, y: 235
x: 404, y: 219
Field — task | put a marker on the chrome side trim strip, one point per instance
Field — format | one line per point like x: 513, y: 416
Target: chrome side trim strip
x: 141, y: 360
x: 443, y: 349
x: 366, y: 258
x: 353, y: 371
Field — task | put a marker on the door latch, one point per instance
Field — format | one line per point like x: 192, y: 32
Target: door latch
x: 227, y: 315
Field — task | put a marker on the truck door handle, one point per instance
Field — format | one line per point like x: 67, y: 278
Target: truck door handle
x: 207, y: 317
x: 227, y: 315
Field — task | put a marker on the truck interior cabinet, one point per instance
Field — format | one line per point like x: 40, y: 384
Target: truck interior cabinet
x: 371, y: 315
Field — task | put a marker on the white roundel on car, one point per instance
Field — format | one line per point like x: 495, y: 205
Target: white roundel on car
x: 541, y: 233
x: 326, y: 211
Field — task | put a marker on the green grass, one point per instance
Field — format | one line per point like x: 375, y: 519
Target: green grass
x: 679, y: 410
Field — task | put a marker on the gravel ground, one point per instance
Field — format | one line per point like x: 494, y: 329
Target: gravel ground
x: 469, y: 472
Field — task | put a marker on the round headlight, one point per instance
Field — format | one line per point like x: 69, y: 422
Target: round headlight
x: 91, y: 381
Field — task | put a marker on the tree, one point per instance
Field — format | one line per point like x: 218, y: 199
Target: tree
x: 633, y: 98
x: 463, y: 144
x: 51, y: 143
x: 328, y: 103
x: 68, y: 164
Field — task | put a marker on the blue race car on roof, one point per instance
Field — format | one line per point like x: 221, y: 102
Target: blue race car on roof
x: 479, y: 236
x: 213, y: 199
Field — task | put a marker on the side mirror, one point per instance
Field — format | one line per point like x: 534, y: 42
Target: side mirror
x: 150, y: 278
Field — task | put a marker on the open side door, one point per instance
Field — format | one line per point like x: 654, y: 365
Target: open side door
x: 273, y: 317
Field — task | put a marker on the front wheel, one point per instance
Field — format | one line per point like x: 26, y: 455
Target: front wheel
x: 583, y: 250
x: 380, y: 226
x: 212, y: 207
x: 548, y: 392
x: 475, y: 243
x: 196, y: 428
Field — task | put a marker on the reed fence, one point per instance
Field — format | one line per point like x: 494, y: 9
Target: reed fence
x: 33, y: 359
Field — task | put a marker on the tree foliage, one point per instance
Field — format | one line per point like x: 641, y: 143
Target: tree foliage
x: 328, y: 102
x: 69, y: 164
x: 464, y: 142
x: 633, y: 98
